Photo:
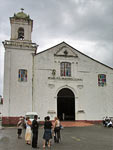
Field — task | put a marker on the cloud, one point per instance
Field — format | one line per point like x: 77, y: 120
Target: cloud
x: 87, y: 25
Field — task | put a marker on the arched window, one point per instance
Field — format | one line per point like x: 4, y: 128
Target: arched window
x: 65, y: 69
x: 20, y: 33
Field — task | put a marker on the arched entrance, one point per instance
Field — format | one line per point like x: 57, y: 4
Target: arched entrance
x: 66, y: 104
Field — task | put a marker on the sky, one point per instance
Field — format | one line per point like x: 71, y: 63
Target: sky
x: 86, y: 25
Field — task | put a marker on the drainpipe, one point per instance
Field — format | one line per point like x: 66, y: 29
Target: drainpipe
x: 32, y: 81
x: 9, y: 85
x: 33, y: 55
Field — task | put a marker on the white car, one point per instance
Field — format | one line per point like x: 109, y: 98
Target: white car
x: 31, y: 115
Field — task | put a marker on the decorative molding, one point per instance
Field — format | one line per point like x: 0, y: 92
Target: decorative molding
x: 62, y: 47
x: 80, y: 86
x: 20, y: 44
x: 84, y: 71
x: 65, y: 52
x: 65, y: 56
x: 51, y: 85
x: 65, y: 78
x: 51, y: 112
x: 81, y: 111
x: 53, y: 72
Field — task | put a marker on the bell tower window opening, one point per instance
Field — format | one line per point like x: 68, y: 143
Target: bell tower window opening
x: 21, y: 33
x: 65, y: 69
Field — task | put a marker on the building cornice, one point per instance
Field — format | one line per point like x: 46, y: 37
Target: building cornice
x: 23, y: 45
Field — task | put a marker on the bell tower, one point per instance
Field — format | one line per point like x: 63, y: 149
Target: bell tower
x: 18, y: 68
x: 21, y: 26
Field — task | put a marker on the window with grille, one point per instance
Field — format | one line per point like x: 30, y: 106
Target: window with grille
x: 65, y: 69
x: 101, y: 80
x: 22, y: 75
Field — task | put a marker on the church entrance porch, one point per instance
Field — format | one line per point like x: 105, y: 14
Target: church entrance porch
x: 66, y: 105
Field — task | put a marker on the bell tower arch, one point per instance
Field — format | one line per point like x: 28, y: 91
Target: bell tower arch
x: 21, y: 26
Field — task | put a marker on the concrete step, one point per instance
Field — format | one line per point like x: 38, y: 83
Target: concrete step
x: 75, y: 124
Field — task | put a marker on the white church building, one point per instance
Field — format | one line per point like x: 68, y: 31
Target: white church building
x: 60, y: 81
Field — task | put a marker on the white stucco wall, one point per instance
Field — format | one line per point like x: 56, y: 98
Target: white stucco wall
x: 40, y: 94
x: 95, y: 101
x: 17, y: 95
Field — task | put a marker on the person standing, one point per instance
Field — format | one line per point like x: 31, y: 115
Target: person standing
x: 47, y: 132
x: 57, y: 130
x: 28, y: 131
x: 20, y: 126
x: 35, y: 126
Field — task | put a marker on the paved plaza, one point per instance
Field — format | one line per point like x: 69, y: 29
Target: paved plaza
x: 94, y: 137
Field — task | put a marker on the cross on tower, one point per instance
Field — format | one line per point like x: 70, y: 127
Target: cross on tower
x: 22, y: 9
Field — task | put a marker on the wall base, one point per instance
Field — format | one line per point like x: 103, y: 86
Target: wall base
x: 12, y: 121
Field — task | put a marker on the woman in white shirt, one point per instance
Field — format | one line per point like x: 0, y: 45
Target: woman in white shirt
x: 57, y: 130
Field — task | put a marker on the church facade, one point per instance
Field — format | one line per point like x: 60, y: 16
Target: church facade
x: 60, y: 81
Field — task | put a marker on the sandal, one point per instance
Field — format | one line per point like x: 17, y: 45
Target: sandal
x: 49, y: 146
x: 43, y: 146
